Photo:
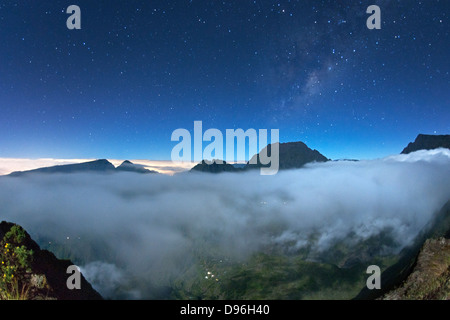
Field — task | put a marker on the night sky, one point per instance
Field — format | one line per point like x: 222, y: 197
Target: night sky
x: 138, y: 70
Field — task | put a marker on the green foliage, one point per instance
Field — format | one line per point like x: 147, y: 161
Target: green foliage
x: 15, y: 235
x: 23, y: 257
x: 15, y: 261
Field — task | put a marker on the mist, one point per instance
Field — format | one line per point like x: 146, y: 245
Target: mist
x: 152, y: 227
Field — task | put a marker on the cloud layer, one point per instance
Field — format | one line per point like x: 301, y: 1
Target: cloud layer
x: 149, y: 225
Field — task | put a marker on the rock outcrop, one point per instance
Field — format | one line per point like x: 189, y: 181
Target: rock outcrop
x: 44, y: 278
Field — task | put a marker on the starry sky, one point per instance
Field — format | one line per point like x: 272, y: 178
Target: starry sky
x: 138, y: 70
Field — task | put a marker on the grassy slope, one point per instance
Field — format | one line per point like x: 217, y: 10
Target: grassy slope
x: 430, y: 278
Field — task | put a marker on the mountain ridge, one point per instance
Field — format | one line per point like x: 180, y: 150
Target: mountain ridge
x: 292, y: 155
x: 427, y: 142
x: 129, y: 166
x: 394, y: 276
x: 46, y: 276
x: 214, y: 167
x: 99, y: 166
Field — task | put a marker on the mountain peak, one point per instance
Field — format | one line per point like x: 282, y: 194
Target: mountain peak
x: 131, y: 167
x: 292, y: 155
x: 428, y: 142
x: 214, y: 167
x: 101, y: 165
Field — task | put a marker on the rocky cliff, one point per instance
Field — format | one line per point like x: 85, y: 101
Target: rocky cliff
x: 428, y: 142
x: 29, y: 273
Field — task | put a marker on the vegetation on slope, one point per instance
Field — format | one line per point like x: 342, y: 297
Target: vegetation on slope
x: 430, y: 279
x: 29, y: 273
x: 15, y: 265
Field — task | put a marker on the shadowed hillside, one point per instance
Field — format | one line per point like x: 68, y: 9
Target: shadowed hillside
x: 428, y: 142
x: 30, y: 273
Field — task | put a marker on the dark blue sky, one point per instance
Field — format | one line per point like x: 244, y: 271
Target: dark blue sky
x: 137, y: 70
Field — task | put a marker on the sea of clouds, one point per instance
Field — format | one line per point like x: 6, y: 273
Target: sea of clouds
x: 149, y: 225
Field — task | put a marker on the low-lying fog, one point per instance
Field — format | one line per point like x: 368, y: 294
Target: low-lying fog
x: 149, y: 224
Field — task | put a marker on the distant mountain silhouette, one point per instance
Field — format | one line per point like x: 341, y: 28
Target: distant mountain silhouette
x: 47, y: 277
x: 292, y: 155
x: 428, y: 142
x: 213, y: 167
x: 91, y: 166
x: 102, y: 166
x: 131, y: 167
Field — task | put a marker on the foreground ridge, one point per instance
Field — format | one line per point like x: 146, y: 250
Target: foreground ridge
x: 30, y: 273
